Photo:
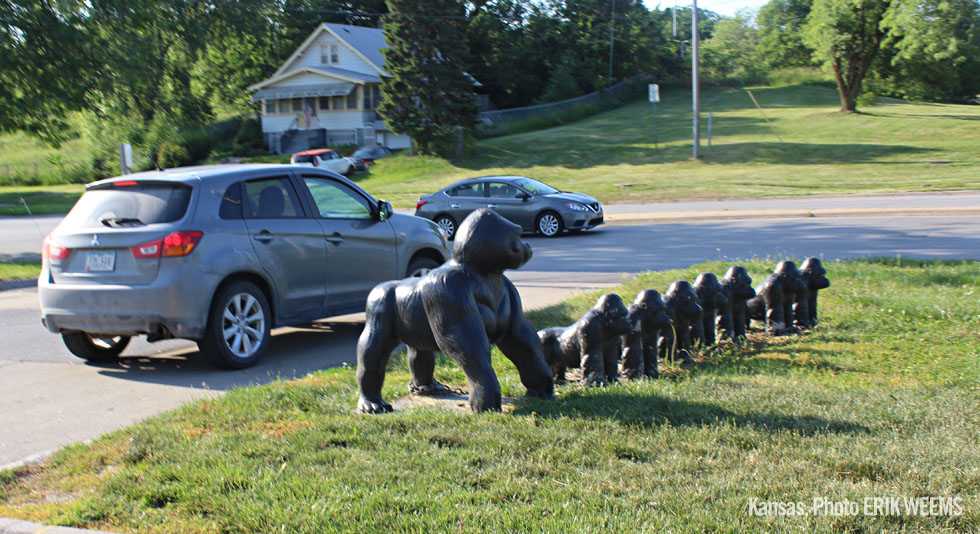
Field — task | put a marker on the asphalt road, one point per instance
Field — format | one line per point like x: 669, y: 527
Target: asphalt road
x: 49, y: 398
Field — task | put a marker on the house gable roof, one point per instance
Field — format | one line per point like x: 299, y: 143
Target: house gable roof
x: 367, y: 43
x: 329, y: 73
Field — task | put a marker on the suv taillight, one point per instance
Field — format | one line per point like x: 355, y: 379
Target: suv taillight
x: 53, y: 251
x: 175, y: 244
x: 421, y: 203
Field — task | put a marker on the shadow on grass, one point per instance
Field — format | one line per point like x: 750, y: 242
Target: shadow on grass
x: 649, y: 410
x: 774, y: 152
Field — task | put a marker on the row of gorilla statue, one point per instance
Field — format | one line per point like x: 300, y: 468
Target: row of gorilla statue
x: 611, y: 340
x: 466, y: 305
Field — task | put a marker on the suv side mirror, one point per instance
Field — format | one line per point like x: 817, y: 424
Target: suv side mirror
x: 384, y: 210
x: 523, y: 196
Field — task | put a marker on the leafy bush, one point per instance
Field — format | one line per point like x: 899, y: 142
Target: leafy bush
x: 173, y: 155
x: 198, y: 145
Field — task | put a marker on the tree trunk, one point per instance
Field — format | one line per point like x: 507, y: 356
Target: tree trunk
x: 848, y: 103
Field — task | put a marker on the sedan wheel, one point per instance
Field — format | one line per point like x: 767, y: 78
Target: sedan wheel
x: 238, y: 328
x: 550, y: 224
x: 448, y: 224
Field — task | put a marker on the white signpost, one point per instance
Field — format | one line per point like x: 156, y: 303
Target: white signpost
x: 653, y: 91
x: 126, y: 157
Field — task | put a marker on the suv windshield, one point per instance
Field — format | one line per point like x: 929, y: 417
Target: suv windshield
x: 136, y: 203
x: 535, y: 187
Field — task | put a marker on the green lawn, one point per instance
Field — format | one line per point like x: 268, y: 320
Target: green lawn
x: 893, y: 146
x: 18, y: 269
x: 879, y: 401
x: 42, y: 200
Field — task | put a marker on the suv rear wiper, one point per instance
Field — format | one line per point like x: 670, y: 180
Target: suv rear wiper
x: 120, y: 221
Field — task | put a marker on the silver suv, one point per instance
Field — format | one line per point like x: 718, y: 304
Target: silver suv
x: 221, y: 255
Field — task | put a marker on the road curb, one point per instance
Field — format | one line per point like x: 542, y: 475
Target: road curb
x: 17, y: 283
x: 14, y: 526
x: 733, y: 215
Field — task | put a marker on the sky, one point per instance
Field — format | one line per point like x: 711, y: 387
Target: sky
x: 722, y: 7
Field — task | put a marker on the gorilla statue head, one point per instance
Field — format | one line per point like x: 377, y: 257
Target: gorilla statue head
x: 814, y: 275
x: 648, y: 311
x: 790, y: 277
x: 708, y: 289
x: 684, y: 301
x: 741, y: 283
x: 613, y: 314
x: 486, y: 242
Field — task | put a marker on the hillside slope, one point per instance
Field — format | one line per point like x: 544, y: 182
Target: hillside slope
x: 807, y: 147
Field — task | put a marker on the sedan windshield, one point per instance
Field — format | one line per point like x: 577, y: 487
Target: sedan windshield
x: 535, y: 187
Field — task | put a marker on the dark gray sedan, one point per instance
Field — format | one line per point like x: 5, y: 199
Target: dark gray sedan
x: 534, y: 205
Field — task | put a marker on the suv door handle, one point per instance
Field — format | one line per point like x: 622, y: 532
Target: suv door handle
x: 491, y: 205
x: 455, y: 206
x: 336, y: 238
x: 264, y: 236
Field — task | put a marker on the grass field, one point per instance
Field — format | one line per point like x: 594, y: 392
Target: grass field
x: 42, y: 200
x: 878, y: 401
x: 18, y: 269
x: 806, y: 147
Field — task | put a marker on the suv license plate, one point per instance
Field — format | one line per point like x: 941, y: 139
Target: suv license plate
x: 101, y: 261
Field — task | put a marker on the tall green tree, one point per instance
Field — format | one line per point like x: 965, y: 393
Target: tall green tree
x: 780, y: 24
x: 846, y: 36
x: 935, y: 49
x: 45, y: 56
x: 426, y: 94
x: 733, y: 52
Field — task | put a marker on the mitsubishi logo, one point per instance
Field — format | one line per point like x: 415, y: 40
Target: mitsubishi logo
x: 95, y: 240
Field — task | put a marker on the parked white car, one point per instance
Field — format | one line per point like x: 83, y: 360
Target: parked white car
x: 325, y: 158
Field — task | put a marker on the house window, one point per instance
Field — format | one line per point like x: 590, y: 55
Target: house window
x: 372, y: 97
x: 284, y: 106
x: 324, y: 103
x: 338, y: 103
x: 297, y: 104
x: 270, y: 106
x: 329, y: 54
x: 352, y: 99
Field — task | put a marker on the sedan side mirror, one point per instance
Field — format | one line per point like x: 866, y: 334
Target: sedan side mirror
x: 384, y: 210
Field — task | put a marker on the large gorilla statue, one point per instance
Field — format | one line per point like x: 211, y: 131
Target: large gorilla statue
x: 460, y: 309
x: 712, y: 301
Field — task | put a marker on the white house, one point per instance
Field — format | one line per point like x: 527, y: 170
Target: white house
x: 326, y: 93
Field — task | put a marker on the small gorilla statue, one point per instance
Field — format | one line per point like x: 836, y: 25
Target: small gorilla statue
x: 592, y: 343
x: 712, y: 300
x: 648, y: 315
x: 460, y: 308
x: 684, y: 312
x: 775, y: 297
x: 815, y: 278
x: 737, y: 287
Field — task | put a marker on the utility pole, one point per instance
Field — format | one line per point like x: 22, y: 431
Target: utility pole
x: 674, y: 26
x: 694, y: 81
x: 612, y: 26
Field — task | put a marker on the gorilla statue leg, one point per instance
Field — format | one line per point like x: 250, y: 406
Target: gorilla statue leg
x: 522, y: 347
x: 422, y: 363
x: 374, y: 347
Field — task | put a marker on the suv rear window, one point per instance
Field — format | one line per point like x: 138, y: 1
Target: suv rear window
x: 133, y: 204
x: 302, y: 159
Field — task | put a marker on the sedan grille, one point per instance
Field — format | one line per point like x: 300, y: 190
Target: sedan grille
x: 594, y: 207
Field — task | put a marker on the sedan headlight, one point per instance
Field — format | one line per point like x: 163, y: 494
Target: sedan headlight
x: 575, y: 206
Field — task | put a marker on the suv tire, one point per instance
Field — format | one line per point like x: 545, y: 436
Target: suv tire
x: 239, y: 326
x: 94, y: 348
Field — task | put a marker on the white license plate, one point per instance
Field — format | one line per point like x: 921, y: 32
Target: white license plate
x: 100, y: 261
